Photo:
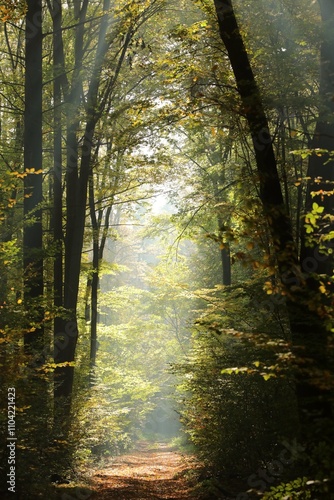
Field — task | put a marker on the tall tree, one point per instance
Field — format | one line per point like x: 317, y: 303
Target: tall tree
x: 33, y: 230
x: 77, y: 175
x: 308, y: 331
x: 321, y: 165
x: 87, y: 93
x: 57, y: 216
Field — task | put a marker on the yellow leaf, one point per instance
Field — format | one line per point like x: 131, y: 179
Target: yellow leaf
x: 267, y: 376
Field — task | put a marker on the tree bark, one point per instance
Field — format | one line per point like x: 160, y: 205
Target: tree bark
x: 57, y: 216
x: 94, y: 280
x: 99, y: 241
x: 225, y: 255
x: 33, y: 231
x: 321, y: 168
x: 37, y: 413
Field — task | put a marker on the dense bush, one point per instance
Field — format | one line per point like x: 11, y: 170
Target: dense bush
x: 238, y: 396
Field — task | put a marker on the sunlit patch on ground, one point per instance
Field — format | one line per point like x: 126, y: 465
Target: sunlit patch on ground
x: 147, y: 473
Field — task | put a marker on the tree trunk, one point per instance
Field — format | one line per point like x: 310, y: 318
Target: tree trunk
x: 66, y: 332
x: 33, y: 231
x: 321, y: 168
x: 57, y: 216
x: 225, y: 256
x: 98, y: 249
x: 37, y: 412
x: 96, y: 225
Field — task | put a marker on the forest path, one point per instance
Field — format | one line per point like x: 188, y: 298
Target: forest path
x: 149, y: 473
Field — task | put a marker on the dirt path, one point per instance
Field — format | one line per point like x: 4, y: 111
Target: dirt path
x: 147, y: 474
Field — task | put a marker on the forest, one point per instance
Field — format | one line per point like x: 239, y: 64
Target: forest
x: 166, y: 249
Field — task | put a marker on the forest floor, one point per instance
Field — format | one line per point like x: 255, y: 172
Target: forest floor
x: 151, y: 472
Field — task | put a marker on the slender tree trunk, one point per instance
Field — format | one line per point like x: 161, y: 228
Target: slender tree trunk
x: 9, y: 227
x: 96, y: 285
x: 225, y: 251
x: 225, y: 256
x: 57, y: 219
x: 100, y: 234
x: 67, y: 331
x: 87, y: 299
x: 219, y: 157
x: 96, y: 226
x: 98, y: 249
x: 60, y: 87
x: 33, y: 231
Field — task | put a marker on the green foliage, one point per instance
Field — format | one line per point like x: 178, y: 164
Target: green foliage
x: 294, y: 489
x: 168, y: 118
x: 234, y: 415
x: 302, y: 488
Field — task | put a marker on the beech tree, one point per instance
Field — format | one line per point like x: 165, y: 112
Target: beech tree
x: 33, y: 180
x: 308, y: 323
x: 320, y: 168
